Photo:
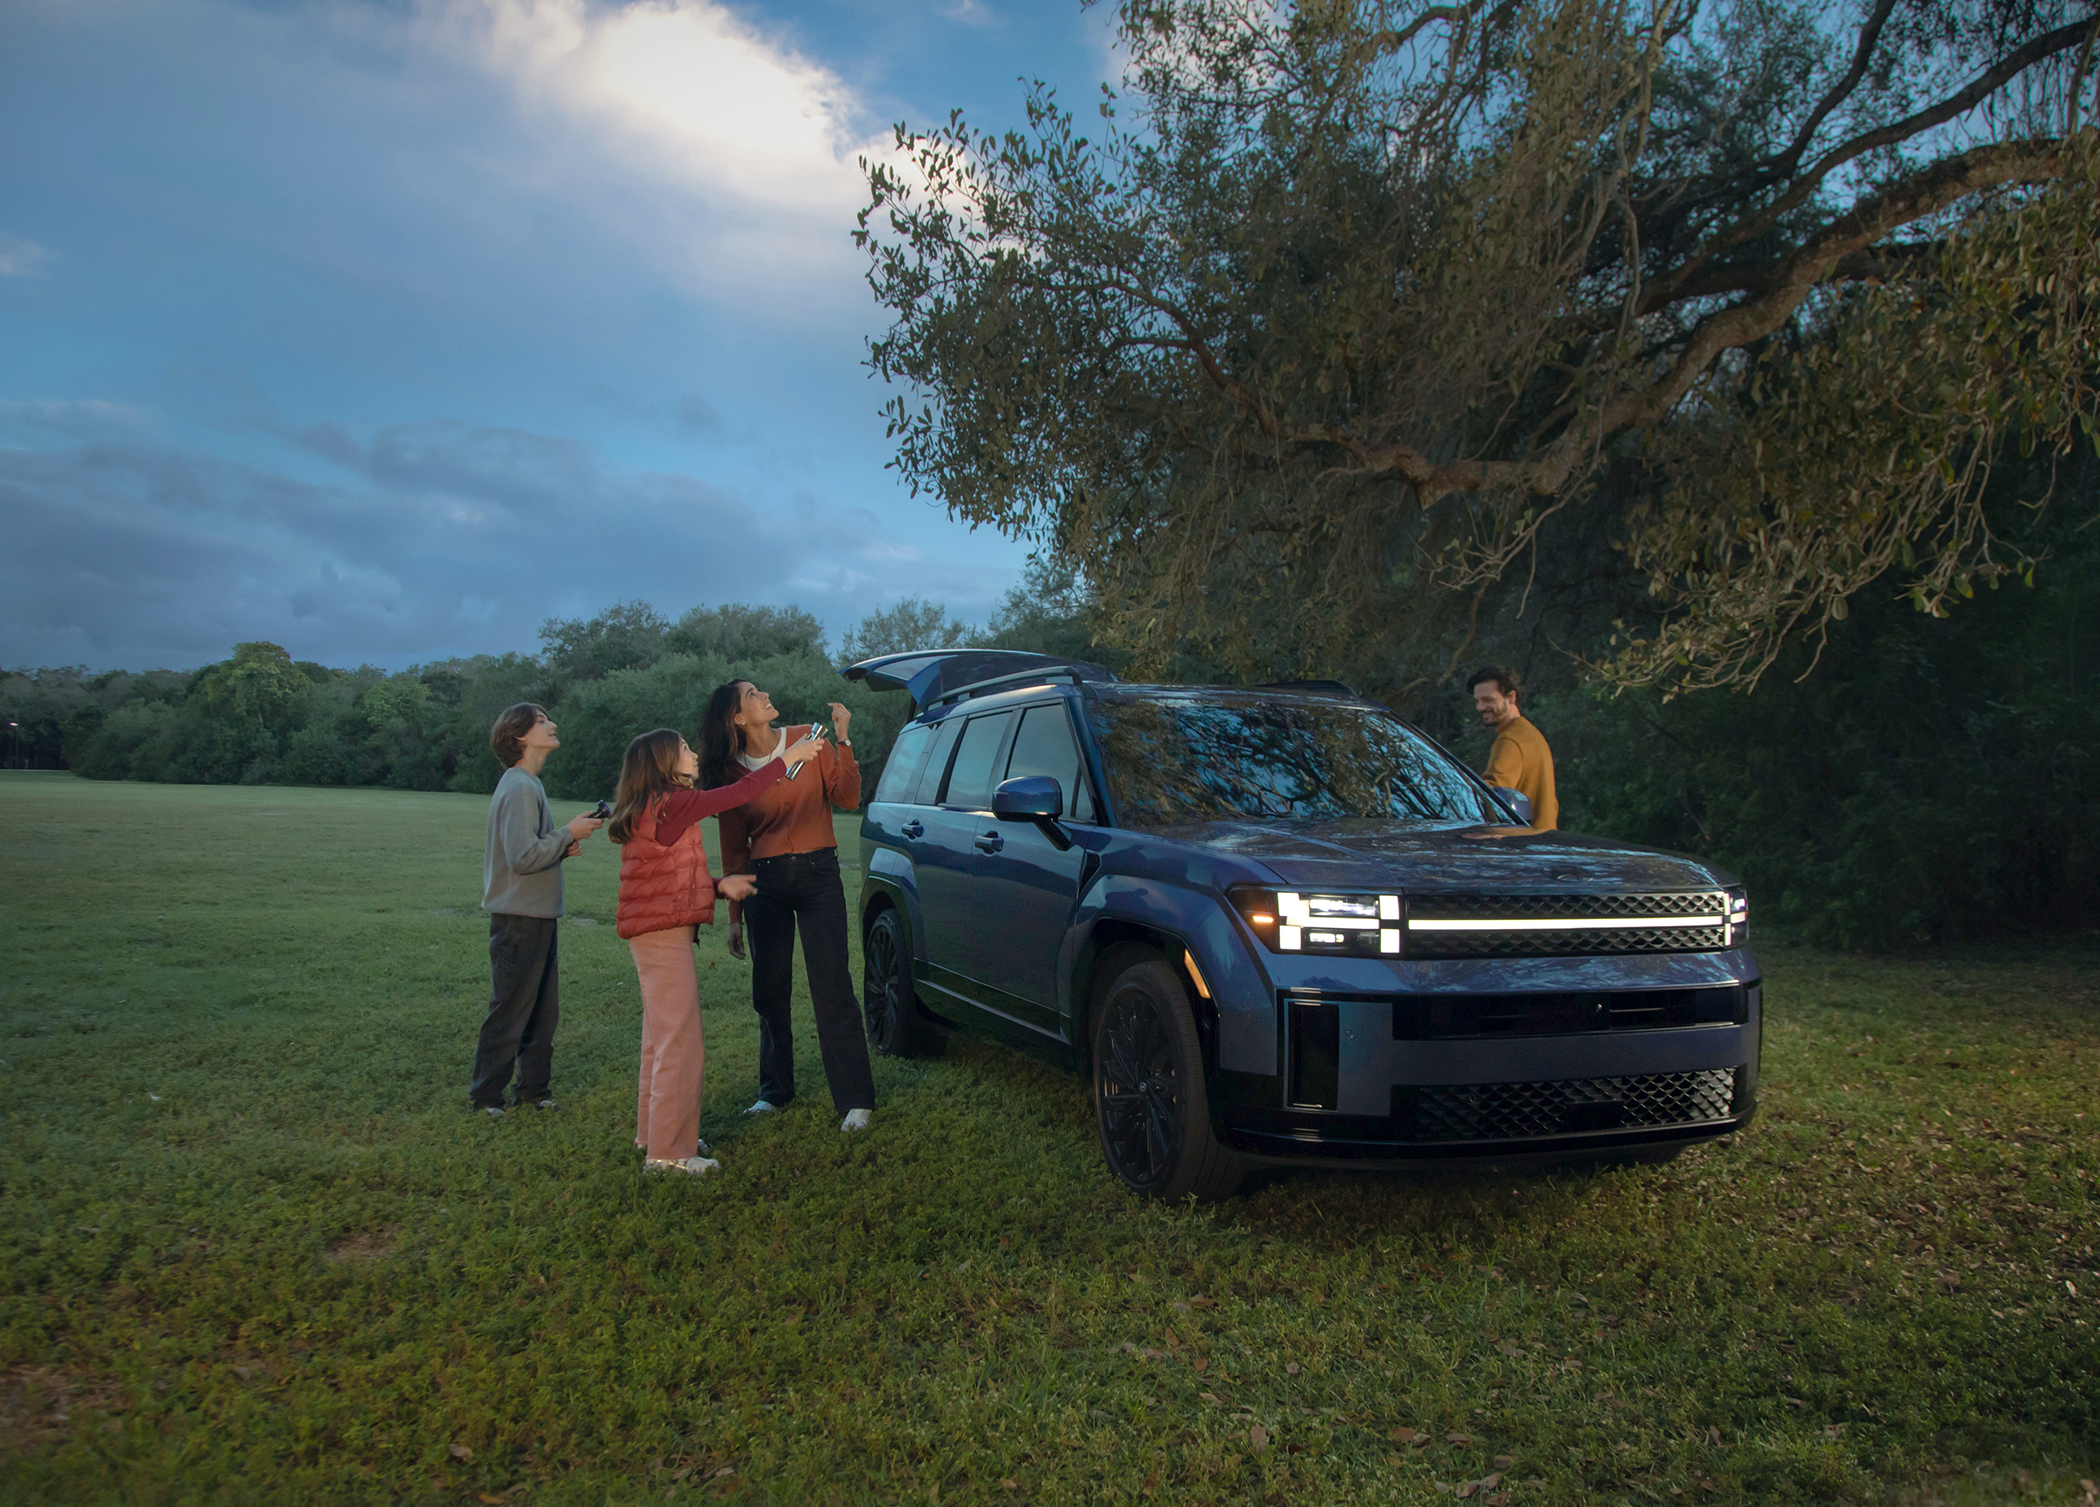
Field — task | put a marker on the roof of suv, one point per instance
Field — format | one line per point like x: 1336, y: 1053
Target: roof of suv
x: 933, y: 676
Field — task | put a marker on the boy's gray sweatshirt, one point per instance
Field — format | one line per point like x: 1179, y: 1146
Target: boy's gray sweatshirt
x: 521, y: 874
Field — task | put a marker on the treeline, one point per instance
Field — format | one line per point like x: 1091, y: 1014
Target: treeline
x: 1933, y: 779
x: 263, y: 718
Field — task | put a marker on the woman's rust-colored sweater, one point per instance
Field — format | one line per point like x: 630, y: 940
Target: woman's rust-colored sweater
x: 791, y: 816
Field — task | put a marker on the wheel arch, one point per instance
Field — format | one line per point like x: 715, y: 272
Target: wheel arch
x: 879, y: 894
x: 1090, y: 981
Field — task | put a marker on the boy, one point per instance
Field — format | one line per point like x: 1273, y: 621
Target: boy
x: 521, y: 883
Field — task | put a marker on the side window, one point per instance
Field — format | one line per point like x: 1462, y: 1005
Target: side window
x: 970, y: 782
x: 900, y: 772
x: 1044, y: 746
x: 928, y: 785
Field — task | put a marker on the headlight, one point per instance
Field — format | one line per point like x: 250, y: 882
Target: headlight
x: 1738, y: 917
x: 1292, y: 921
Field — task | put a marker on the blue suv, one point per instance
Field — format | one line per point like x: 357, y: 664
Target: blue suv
x: 1280, y: 926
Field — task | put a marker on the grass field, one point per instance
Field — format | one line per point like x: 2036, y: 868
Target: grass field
x: 255, y: 1248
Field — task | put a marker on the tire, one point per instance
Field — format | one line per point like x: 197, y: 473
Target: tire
x: 1150, y: 1101
x: 895, y: 1026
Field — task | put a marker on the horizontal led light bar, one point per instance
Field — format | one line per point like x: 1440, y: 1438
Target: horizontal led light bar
x: 1585, y: 923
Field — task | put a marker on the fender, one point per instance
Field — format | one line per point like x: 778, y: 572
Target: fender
x: 1242, y: 1004
x: 889, y: 873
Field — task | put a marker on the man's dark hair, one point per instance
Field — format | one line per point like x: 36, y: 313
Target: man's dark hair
x: 1505, y: 679
x: 506, y: 738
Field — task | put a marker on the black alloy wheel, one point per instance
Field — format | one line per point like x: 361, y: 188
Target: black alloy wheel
x: 1149, y: 1094
x: 895, y: 1026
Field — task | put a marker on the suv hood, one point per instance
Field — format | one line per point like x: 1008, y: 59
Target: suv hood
x: 1361, y: 853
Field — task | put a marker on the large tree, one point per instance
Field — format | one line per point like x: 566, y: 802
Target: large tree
x: 1366, y: 292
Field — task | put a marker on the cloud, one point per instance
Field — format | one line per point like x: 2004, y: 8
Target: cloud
x: 443, y: 538
x: 388, y: 328
x: 20, y: 258
x: 762, y: 142
x: 698, y: 93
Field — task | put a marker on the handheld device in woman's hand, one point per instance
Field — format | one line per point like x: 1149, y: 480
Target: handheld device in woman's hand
x: 816, y: 731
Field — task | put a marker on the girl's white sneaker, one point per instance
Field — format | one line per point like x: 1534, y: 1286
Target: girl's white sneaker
x: 696, y: 1165
x: 856, y: 1119
x: 762, y: 1107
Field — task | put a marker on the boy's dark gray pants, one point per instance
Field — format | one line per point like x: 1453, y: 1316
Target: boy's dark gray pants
x: 524, y: 1006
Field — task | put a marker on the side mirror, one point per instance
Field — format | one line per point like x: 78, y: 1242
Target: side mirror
x: 1516, y: 800
x: 1031, y: 798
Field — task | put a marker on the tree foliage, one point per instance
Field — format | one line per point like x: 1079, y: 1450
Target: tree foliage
x: 913, y: 623
x: 625, y: 636
x: 740, y: 632
x: 1373, y: 290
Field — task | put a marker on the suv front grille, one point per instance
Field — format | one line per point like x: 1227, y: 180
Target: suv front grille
x: 1523, y: 926
x: 1522, y: 1111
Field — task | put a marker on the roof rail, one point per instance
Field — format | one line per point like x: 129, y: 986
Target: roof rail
x: 933, y: 675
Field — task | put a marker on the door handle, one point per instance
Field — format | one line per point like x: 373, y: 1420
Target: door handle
x: 991, y: 842
x: 915, y: 829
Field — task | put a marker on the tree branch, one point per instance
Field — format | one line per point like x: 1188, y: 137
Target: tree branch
x: 1789, y: 160
x: 1792, y: 280
x: 1982, y: 87
x: 1785, y: 286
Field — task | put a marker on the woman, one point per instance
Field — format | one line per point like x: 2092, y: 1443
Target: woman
x: 784, y: 837
x: 665, y: 894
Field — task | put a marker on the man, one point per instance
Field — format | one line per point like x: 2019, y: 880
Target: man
x: 521, y: 891
x: 1520, y: 758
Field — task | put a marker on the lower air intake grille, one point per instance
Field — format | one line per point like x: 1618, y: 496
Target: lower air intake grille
x: 1521, y: 1111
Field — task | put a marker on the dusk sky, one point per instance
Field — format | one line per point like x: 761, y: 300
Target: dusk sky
x: 387, y: 329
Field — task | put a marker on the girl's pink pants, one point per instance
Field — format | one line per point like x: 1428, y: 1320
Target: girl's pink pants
x: 674, y: 1053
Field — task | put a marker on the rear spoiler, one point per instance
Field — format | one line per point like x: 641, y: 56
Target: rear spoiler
x: 936, y: 675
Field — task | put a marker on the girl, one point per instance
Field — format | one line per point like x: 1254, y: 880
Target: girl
x: 665, y: 894
x: 784, y: 834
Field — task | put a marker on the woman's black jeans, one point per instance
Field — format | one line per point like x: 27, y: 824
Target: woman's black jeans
x: 805, y: 887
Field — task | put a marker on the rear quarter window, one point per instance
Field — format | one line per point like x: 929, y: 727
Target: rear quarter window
x: 900, y: 772
x: 928, y: 785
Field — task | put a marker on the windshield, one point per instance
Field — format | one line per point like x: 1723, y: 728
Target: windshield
x: 1215, y: 755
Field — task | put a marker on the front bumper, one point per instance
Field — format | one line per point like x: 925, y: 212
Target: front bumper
x: 1354, y: 1081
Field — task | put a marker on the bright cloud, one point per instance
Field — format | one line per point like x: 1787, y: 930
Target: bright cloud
x: 688, y: 91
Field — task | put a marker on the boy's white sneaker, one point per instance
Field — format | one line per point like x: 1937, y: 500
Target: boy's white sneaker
x: 856, y: 1119
x: 696, y: 1165
x: 762, y: 1107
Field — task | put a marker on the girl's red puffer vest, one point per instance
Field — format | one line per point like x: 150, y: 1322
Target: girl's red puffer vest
x: 663, y: 887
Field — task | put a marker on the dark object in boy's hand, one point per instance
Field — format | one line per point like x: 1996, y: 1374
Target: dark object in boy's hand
x: 600, y: 812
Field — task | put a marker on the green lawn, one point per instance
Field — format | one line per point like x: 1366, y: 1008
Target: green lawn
x: 256, y: 1249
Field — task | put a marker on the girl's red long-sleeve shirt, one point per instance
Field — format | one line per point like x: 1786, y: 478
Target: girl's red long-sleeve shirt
x: 682, y: 808
x: 792, y: 816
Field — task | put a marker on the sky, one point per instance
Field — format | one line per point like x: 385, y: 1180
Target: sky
x: 386, y: 330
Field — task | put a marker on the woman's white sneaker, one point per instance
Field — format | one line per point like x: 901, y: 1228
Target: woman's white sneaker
x: 856, y: 1119
x: 762, y: 1107
x: 696, y: 1165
